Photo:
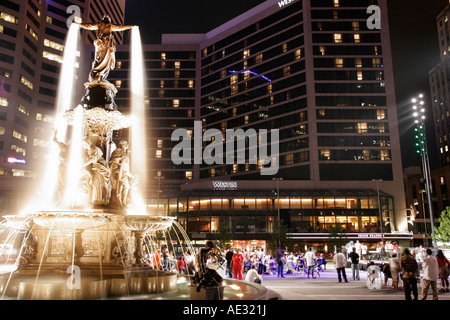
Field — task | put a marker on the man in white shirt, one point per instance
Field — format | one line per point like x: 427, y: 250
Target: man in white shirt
x: 310, y: 260
x: 340, y: 262
x: 253, y: 276
x: 430, y: 275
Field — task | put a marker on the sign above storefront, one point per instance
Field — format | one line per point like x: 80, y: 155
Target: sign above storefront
x: 224, y: 185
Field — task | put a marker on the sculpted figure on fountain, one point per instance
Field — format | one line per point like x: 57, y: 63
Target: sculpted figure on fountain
x: 121, y: 177
x: 99, y: 92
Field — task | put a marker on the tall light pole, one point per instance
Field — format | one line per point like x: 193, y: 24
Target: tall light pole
x: 278, y: 197
x: 379, y: 209
x: 422, y: 149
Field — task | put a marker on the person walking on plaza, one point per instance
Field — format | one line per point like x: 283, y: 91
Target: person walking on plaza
x: 229, y: 258
x: 310, y: 259
x: 394, y: 264
x: 430, y: 275
x: 354, y: 256
x: 409, y: 268
x: 443, y: 270
x: 261, y: 258
x: 280, y: 262
x: 340, y: 262
x: 238, y: 265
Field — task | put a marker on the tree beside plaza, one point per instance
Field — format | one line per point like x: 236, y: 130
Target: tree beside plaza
x: 442, y: 232
x: 224, y: 236
x: 337, y: 237
x: 279, y: 237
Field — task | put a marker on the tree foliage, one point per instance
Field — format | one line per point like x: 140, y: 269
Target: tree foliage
x: 442, y: 232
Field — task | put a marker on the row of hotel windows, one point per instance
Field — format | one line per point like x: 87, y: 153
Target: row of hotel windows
x: 263, y: 224
x: 206, y: 204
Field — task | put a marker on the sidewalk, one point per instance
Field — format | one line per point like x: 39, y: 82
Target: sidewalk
x: 326, y: 287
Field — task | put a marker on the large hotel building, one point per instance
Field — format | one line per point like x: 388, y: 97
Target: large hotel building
x: 311, y: 69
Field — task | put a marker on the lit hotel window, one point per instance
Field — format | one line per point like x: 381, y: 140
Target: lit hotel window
x: 246, y: 53
x: 355, y: 26
x: 235, y: 168
x: 176, y: 103
x: 362, y: 127
x: 358, y: 63
x: 325, y: 154
x: 52, y: 56
x: 442, y: 180
x: 158, y: 154
x: 359, y: 75
x: 335, y: 14
x: 177, y: 74
x: 4, y: 102
x: 2, y: 131
x: 163, y: 55
x: 336, y: 3
x: 212, y: 172
x: 31, y: 31
x: 118, y: 83
x: 119, y: 65
x: 20, y: 136
x: 339, y: 62
x: 189, y: 175
x: 376, y: 62
x: 49, y: 20
x: 39, y: 143
x: 286, y: 71
x: 9, y: 18
x: 381, y: 114
x: 337, y: 38
x: 191, y: 83
x: 234, y: 89
x: 322, y: 50
x: 233, y: 79
x: 384, y: 155
x: 357, y: 38
x: 284, y: 47
x: 298, y: 54
x: 159, y: 143
x: 53, y: 45
x: 259, y: 58
x: 177, y: 64
x: 18, y: 149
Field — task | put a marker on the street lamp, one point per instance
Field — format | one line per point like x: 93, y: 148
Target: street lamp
x: 422, y: 149
x: 379, y: 209
x: 278, y: 196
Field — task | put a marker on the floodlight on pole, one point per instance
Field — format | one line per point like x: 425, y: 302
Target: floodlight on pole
x: 422, y: 149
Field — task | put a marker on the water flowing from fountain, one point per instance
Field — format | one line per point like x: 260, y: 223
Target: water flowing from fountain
x: 138, y: 132
x: 46, y: 200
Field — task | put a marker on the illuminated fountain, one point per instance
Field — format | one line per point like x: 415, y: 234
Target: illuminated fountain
x: 87, y: 234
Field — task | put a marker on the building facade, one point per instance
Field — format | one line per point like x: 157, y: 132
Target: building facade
x: 312, y: 70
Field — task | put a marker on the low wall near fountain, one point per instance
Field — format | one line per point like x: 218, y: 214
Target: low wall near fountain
x: 47, y: 287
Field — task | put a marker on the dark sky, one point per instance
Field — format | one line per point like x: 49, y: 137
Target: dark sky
x: 415, y: 47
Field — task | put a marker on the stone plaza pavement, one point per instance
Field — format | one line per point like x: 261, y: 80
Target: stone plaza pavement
x: 326, y: 287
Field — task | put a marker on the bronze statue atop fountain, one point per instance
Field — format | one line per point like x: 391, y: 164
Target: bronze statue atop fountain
x: 100, y: 92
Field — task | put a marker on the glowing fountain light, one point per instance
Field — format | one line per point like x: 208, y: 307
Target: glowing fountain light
x: 73, y: 195
x: 45, y: 200
x: 138, y: 135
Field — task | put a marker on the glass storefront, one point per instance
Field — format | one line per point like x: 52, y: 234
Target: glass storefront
x: 255, y: 212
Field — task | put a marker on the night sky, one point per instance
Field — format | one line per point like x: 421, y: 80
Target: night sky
x: 415, y: 46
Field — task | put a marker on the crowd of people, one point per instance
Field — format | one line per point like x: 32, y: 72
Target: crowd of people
x: 398, y: 265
